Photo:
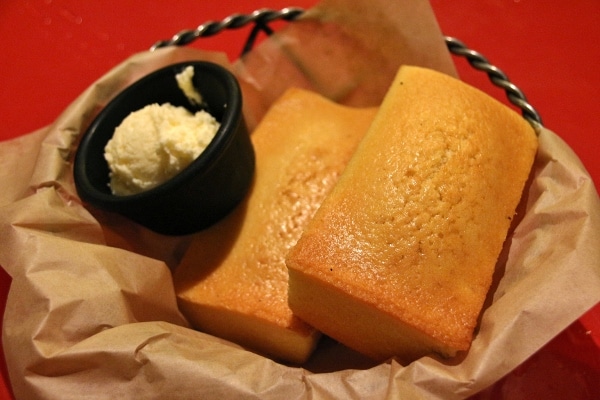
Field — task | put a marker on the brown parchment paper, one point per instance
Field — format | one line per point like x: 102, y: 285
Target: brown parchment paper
x: 91, y: 311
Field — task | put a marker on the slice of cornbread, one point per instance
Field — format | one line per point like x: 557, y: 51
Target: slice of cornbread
x: 232, y: 281
x: 400, y: 256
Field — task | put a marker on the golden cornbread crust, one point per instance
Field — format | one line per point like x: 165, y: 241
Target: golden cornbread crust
x: 233, y: 281
x: 400, y: 256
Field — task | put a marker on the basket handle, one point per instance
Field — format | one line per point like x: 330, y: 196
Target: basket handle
x: 261, y: 18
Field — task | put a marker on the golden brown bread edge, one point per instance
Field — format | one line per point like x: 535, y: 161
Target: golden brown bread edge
x: 232, y: 282
x: 399, y: 258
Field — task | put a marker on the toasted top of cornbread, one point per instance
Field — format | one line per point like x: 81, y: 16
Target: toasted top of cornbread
x: 415, y: 224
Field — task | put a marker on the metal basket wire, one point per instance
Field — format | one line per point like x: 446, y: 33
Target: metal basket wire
x: 261, y: 19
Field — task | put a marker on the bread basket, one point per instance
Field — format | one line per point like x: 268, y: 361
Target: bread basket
x: 259, y: 23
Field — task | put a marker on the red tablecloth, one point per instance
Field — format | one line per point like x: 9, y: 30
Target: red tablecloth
x: 53, y: 49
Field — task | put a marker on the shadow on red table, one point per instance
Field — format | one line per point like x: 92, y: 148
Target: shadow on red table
x: 566, y: 368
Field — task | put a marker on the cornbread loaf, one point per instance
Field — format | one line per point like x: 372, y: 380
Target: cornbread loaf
x: 232, y: 282
x: 400, y: 256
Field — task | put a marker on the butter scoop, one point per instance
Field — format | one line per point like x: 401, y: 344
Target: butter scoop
x: 154, y: 144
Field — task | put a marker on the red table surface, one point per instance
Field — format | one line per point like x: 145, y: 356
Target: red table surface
x: 54, y: 49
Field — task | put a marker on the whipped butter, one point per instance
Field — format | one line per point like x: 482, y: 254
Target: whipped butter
x: 185, y: 84
x: 155, y: 143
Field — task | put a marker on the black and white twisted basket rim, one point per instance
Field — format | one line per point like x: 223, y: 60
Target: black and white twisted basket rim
x: 261, y: 18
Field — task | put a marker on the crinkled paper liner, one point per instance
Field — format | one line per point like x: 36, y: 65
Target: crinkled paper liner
x: 91, y: 311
